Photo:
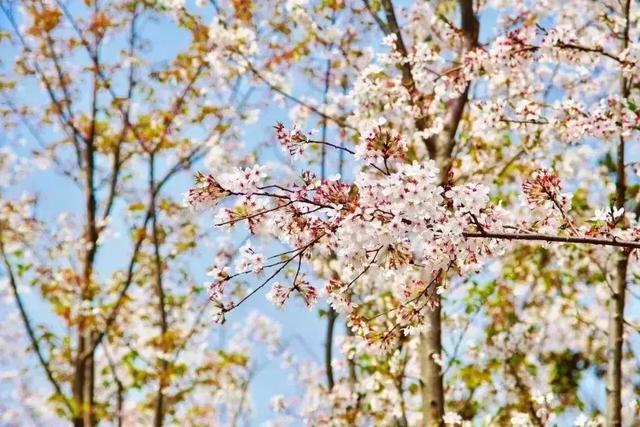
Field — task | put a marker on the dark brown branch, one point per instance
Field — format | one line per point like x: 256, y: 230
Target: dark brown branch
x: 328, y: 346
x: 329, y: 144
x: 276, y: 89
x: 598, y: 50
x: 553, y: 238
x: 29, y: 328
x: 254, y: 215
x: 119, y: 386
x: 393, y: 28
x: 179, y: 102
x: 299, y: 253
x: 99, y: 71
x: 117, y: 161
x: 65, y: 122
x: 180, y: 165
x: 374, y: 15
x: 295, y: 99
x: 60, y: 73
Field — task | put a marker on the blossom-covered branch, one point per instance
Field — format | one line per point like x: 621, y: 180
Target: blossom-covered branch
x: 394, y: 219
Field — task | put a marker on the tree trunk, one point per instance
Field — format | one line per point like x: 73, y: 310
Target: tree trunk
x: 84, y: 375
x: 615, y: 341
x: 160, y: 408
x: 619, y: 288
x: 440, y: 148
x: 431, y: 370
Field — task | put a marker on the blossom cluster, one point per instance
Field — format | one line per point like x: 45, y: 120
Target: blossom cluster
x: 396, y: 220
x: 393, y: 221
x: 293, y: 141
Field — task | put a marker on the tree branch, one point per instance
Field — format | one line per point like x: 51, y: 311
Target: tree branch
x: 553, y: 238
x: 30, y: 331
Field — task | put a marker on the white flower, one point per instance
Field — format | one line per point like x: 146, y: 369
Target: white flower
x: 249, y: 260
x: 600, y: 215
x: 581, y: 421
x: 278, y: 403
x: 520, y: 419
x: 617, y: 213
x: 607, y: 215
x: 452, y: 418
x: 278, y: 295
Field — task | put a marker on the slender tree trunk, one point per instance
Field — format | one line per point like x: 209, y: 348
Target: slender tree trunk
x: 440, y: 149
x: 78, y: 381
x: 619, y: 288
x: 160, y: 407
x: 89, y: 385
x: 83, y: 383
x: 331, y: 313
x: 430, y: 341
x: 84, y: 376
x: 616, y: 308
x: 431, y: 369
x: 328, y: 346
x: 615, y: 342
